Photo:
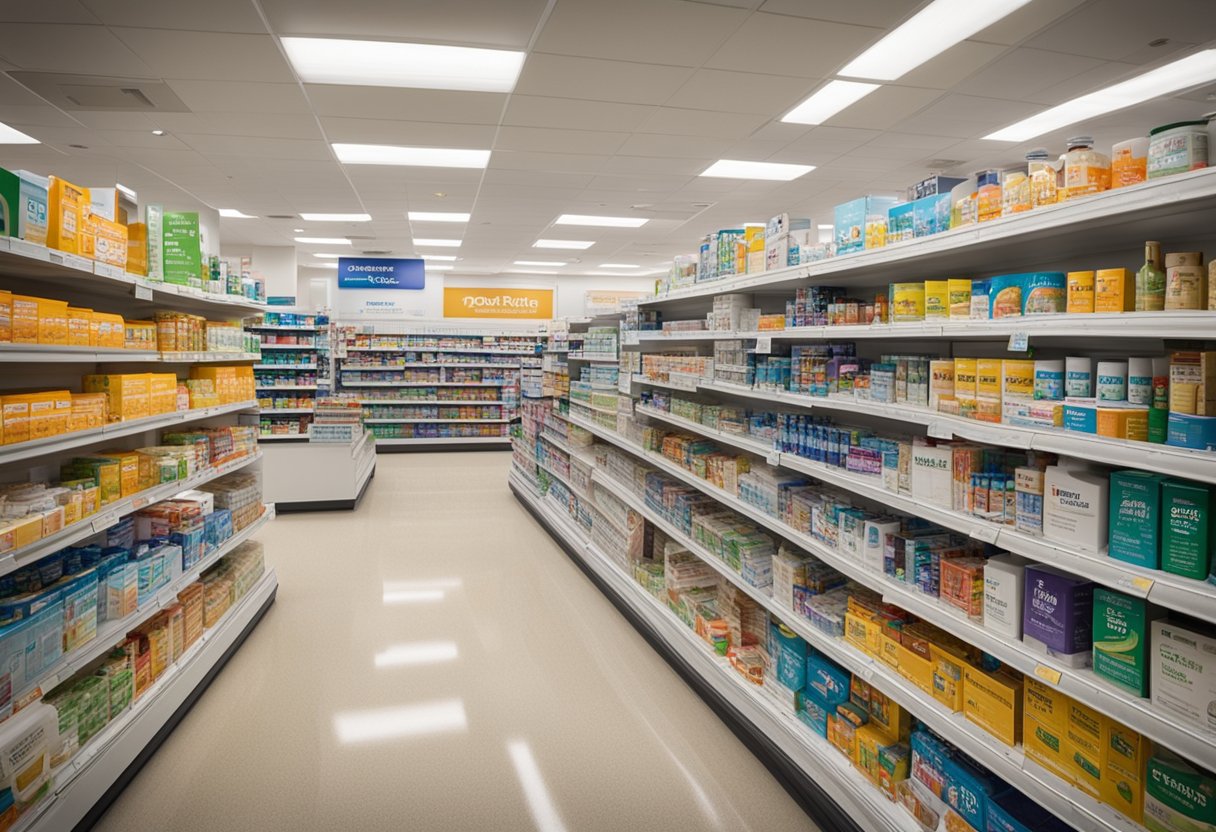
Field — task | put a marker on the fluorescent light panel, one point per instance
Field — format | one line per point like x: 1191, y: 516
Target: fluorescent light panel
x: 435, y: 242
x: 438, y: 267
x: 1191, y: 71
x: 578, y: 245
x: 235, y: 214
x: 438, y: 256
x: 540, y: 262
x: 328, y: 255
x: 417, y: 65
x: 336, y: 217
x: 604, y: 222
x: 827, y: 101
x: 929, y: 32
x: 528, y: 271
x: 323, y: 241
x: 619, y: 266
x: 437, y: 216
x: 422, y: 157
x: 11, y: 135
x: 738, y: 169
x: 396, y: 723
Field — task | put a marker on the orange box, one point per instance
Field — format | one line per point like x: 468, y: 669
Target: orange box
x: 25, y: 319
x: 1114, y: 290
x: 80, y: 322
x: 1121, y: 423
x: 6, y: 316
x: 126, y: 394
x: 88, y: 411
x: 137, y: 248
x: 104, y: 240
x: 66, y: 204
x: 52, y: 322
x: 107, y: 330
x: 15, y: 416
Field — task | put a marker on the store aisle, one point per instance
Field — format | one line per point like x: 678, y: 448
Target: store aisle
x: 434, y: 661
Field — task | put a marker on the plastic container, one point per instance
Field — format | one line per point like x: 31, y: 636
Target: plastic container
x: 988, y: 195
x: 1086, y: 171
x: 1042, y: 175
x: 1129, y: 162
x: 1177, y: 148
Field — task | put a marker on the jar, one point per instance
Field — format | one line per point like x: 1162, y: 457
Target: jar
x: 1177, y: 148
x: 988, y: 195
x: 1015, y: 192
x: 1042, y: 176
x: 1086, y: 171
x: 1129, y: 162
x: 1185, y: 280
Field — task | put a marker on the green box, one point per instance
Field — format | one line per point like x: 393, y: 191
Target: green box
x: 1121, y: 639
x: 1135, y: 518
x: 182, y: 256
x: 1186, y: 533
x: 23, y: 209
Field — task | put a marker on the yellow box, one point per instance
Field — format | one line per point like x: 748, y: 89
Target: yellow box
x: 26, y: 530
x: 937, y: 299
x: 1083, y: 751
x: 959, y: 289
x: 907, y: 302
x: 6, y: 316
x: 73, y: 506
x: 948, y: 666
x: 162, y: 392
x: 108, y: 331
x: 104, y: 240
x: 1080, y: 292
x: 105, y: 471
x: 889, y: 648
x: 993, y: 701
x: 1123, y: 769
x: 137, y: 248
x: 7, y: 537
x: 1045, y: 705
x: 65, y: 209
x: 42, y: 414
x: 128, y: 470
x: 80, y: 324
x: 1123, y: 423
x: 25, y: 319
x: 869, y: 739
x: 1045, y: 746
x: 52, y: 322
x: 859, y: 630
x: 88, y: 411
x: 965, y: 378
x: 15, y: 415
x: 916, y: 669
x: 1018, y: 377
x: 988, y: 374
x: 61, y: 414
x: 126, y: 394
x: 843, y: 735
x: 1114, y: 290
x: 888, y: 715
x: 53, y: 520
x: 90, y: 501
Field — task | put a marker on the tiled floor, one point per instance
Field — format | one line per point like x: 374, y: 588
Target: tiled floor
x: 435, y: 661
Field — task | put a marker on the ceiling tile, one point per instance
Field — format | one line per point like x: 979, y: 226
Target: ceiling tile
x: 783, y: 45
x: 550, y: 140
x: 46, y: 11
x: 264, y: 125
x: 885, y: 14
x: 13, y: 93
x: 649, y: 31
x: 1124, y: 29
x: 966, y: 116
x: 240, y: 97
x: 207, y: 56
x: 959, y: 61
x: 105, y: 120
x: 1020, y: 73
x: 1028, y: 20
x: 656, y: 165
x: 1100, y: 76
x: 885, y: 107
x: 542, y: 179
x: 740, y: 92
x: 418, y: 105
x: 211, y: 16
x: 672, y: 120
x: 140, y: 138
x: 258, y: 148
x: 679, y: 147
x: 538, y: 111
x: 551, y: 162
x: 409, y: 133
x: 598, y: 80
x: 88, y: 50
x: 43, y: 115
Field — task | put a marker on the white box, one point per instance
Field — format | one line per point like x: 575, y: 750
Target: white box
x: 876, y: 532
x: 205, y: 498
x: 933, y: 475
x: 1075, y: 506
x: 1004, y: 586
x: 1182, y: 664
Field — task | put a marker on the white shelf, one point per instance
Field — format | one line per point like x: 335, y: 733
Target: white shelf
x: 430, y: 421
x: 419, y: 365
x: 399, y: 402
x: 84, y: 780
x: 685, y: 387
x: 1161, y: 208
x: 286, y: 411
x: 111, y: 513
x: 281, y: 328
x: 280, y: 387
x: 445, y: 440
x: 54, y: 353
x: 460, y: 351
x: 593, y: 358
x: 740, y: 441
x: 40, y: 265
x: 284, y: 366
x: 282, y: 437
x: 426, y: 384
x: 812, y: 753
x: 310, y: 347
x: 79, y: 439
x: 207, y: 357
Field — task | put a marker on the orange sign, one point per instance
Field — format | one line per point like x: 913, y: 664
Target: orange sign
x: 515, y: 304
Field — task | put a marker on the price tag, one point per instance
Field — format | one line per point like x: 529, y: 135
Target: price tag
x: 939, y: 430
x: 1019, y: 342
x: 143, y: 292
x: 986, y: 532
x: 1135, y: 584
x: 764, y: 345
x: 773, y: 458
x: 1047, y: 674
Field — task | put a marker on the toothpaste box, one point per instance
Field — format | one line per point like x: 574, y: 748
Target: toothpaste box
x: 1183, y: 673
x: 1121, y: 635
x: 1135, y: 518
x: 1075, y: 505
x: 1057, y: 615
x: 1186, y: 532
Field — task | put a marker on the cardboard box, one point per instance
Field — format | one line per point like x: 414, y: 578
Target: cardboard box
x: 993, y: 701
x: 1114, y: 290
x: 1083, y: 754
x: 66, y: 204
x: 937, y: 299
x: 1124, y: 760
x: 959, y: 289
x: 1135, y: 517
x: 861, y: 223
x: 127, y: 395
x: 1186, y: 532
x: 1182, y: 676
x: 23, y: 206
x: 1004, y: 588
x: 1075, y: 506
x: 1057, y: 615
x: 1121, y: 635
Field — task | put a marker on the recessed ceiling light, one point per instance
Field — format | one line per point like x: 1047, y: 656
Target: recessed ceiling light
x: 570, y: 244
x: 328, y: 256
x: 439, y: 257
x: 431, y: 241
x: 158, y: 132
x: 323, y: 241
x: 527, y: 271
x: 540, y: 262
x: 619, y: 266
x: 605, y: 222
x: 827, y: 101
x: 336, y: 217
x: 439, y: 267
x: 9, y: 135
x: 737, y: 169
x: 825, y: 226
x: 439, y: 194
x: 417, y: 65
x: 437, y: 216
x: 422, y: 157
x: 235, y: 214
x: 929, y: 32
x: 1191, y: 71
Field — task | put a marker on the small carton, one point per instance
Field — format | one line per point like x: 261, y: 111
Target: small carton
x: 66, y: 204
x: 1178, y: 796
x: 1114, y: 290
x: 1121, y: 634
x: 23, y: 207
x: 937, y: 299
x: 1080, y: 292
x: 1057, y: 617
x: 993, y: 701
x: 857, y: 221
x: 1004, y: 585
x: 1183, y: 673
x: 1075, y: 505
x: 1186, y: 532
x: 1044, y: 726
x: 1124, y: 760
x: 1135, y: 517
x: 1083, y: 753
x: 959, y: 289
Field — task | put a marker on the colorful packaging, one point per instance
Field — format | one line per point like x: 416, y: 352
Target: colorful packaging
x: 1080, y: 292
x: 1186, y: 533
x: 1114, y: 290
x: 1057, y: 614
x: 1177, y: 796
x: 1120, y: 633
x: 993, y: 701
x: 959, y: 292
x: 1135, y: 518
x: 1033, y: 293
x: 1124, y: 760
x: 937, y: 299
x: 907, y: 302
x: 23, y: 207
x: 1183, y: 673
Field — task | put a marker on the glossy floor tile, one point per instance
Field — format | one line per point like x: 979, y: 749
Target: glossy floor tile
x: 434, y: 661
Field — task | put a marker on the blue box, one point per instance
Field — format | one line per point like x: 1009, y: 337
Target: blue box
x: 790, y: 653
x: 931, y: 215
x: 813, y: 712
x: 900, y: 222
x: 828, y: 681
x: 852, y: 218
x: 1012, y: 811
x: 968, y: 789
x: 1081, y: 418
x: 1030, y: 293
x: 1194, y: 432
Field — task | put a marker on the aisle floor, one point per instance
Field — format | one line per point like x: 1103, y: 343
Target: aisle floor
x: 435, y: 662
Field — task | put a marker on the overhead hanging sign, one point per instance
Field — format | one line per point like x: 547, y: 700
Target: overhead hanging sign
x: 606, y: 302
x: 381, y: 273
x: 516, y: 304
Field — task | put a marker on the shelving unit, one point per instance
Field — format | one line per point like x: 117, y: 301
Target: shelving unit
x: 291, y: 352
x: 470, y: 402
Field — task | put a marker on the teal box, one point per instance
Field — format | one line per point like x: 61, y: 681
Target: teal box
x: 900, y: 223
x: 852, y: 218
x: 1135, y: 518
x: 827, y: 681
x: 1082, y: 418
x: 23, y: 207
x: 813, y: 713
x: 1186, y: 530
x: 968, y: 789
x: 790, y: 653
x: 1195, y: 432
x: 931, y: 215
x: 1030, y: 293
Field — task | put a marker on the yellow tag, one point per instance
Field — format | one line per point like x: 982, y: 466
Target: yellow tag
x: 1047, y: 674
x: 1142, y: 584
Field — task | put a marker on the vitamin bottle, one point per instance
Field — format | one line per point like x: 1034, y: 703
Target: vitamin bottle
x: 1042, y: 178
x: 1086, y: 171
x: 1150, y: 280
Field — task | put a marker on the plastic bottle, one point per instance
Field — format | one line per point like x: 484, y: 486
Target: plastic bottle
x: 1042, y: 178
x: 1150, y: 280
x: 1086, y: 171
x: 988, y: 194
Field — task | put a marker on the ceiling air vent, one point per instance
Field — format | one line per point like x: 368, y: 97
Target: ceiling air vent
x: 944, y: 164
x: 280, y: 216
x: 75, y: 93
x: 377, y: 252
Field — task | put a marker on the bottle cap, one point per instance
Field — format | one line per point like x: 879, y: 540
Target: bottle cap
x: 1039, y: 154
x: 1088, y: 141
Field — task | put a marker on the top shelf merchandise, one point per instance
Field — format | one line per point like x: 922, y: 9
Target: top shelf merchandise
x: 293, y: 370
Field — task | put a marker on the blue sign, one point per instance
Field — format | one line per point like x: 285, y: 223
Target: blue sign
x: 380, y: 273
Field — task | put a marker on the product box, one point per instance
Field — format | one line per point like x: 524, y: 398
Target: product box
x: 127, y: 395
x: 937, y: 299
x: 981, y: 307
x: 935, y: 185
x: 900, y: 223
x: 1075, y: 505
x: 1186, y: 531
x: 1194, y: 432
x: 1135, y: 517
x: 993, y: 701
x: 931, y: 215
x: 907, y: 301
x: 1083, y: 746
x: 1032, y: 293
x: 968, y: 789
x: 1080, y: 292
x: 1121, y: 635
x: 826, y: 681
x: 1057, y: 617
x: 959, y: 289
x: 66, y: 204
x: 1018, y: 378
x: 1178, y: 796
x: 1044, y: 726
x: 1028, y: 500
x: 182, y: 256
x: 1183, y: 673
x: 104, y: 241
x: 1004, y: 588
x: 1124, y: 760
x: 23, y: 207
x: 1079, y: 418
x: 1114, y: 290
x: 932, y: 475
x: 855, y: 222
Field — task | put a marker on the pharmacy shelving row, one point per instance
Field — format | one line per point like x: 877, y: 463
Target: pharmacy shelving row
x: 415, y: 441
x: 355, y: 385
x: 1140, y: 325
x: 262, y: 327
x: 453, y: 402
x: 453, y: 351
x: 1061, y: 798
x: 812, y: 754
x: 310, y: 366
x: 94, y: 436
x: 1079, y: 683
x: 592, y: 358
x: 283, y: 424
x: 25, y: 265
x: 283, y: 437
x: 432, y: 421
x: 84, y: 785
x: 306, y: 347
x: 287, y: 411
x: 427, y: 365
x: 57, y: 354
x: 310, y: 387
x: 1156, y: 209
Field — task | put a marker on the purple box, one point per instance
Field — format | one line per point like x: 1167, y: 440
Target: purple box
x: 1058, y: 609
